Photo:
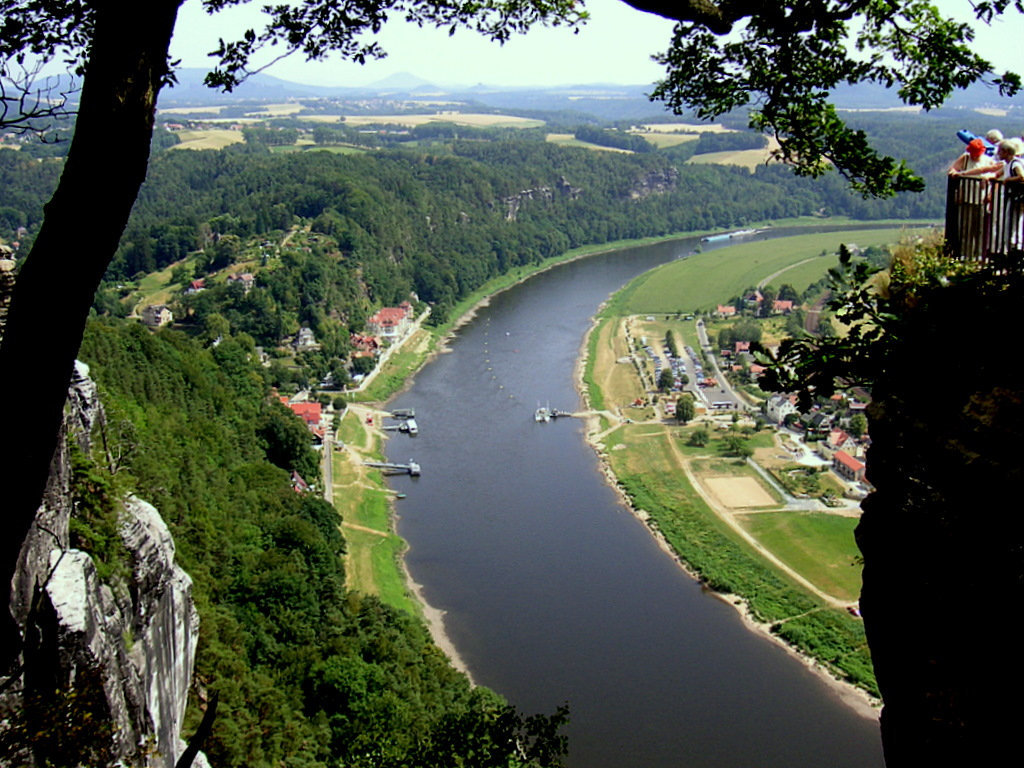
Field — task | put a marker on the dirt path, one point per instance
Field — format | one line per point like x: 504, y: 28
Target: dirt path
x: 727, y: 516
x: 813, y: 318
x: 773, y: 275
x: 365, y: 529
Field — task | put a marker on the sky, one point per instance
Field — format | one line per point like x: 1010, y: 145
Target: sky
x: 615, y: 46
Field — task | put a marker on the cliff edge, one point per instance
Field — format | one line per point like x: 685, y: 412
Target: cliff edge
x: 108, y: 663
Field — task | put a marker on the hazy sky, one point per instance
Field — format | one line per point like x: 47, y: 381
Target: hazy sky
x: 613, y: 47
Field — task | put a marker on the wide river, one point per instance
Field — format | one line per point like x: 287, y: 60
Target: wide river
x: 553, y: 592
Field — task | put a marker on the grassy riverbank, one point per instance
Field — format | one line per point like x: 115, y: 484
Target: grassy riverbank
x: 795, y: 571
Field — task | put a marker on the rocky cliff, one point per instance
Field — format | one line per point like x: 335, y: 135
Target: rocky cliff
x: 943, y: 535
x: 107, y: 666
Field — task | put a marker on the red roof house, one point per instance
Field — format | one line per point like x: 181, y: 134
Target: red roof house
x: 308, y: 412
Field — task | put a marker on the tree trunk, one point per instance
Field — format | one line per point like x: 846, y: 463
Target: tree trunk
x: 83, y: 224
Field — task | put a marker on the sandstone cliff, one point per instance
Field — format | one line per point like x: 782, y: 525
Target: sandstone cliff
x: 107, y: 667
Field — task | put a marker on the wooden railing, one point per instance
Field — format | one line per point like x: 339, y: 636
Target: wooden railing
x: 983, y: 219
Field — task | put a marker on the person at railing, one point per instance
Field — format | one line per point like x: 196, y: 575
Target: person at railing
x: 973, y: 162
x: 1011, y: 175
x: 1011, y: 167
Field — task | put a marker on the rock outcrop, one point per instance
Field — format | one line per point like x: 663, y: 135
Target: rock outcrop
x: 127, y: 647
x: 654, y: 183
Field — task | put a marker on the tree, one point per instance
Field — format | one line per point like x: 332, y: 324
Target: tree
x: 698, y: 438
x: 685, y: 409
x: 666, y: 380
x: 785, y: 58
x: 737, y: 445
x: 120, y: 50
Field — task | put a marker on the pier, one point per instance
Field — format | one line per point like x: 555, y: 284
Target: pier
x: 412, y: 468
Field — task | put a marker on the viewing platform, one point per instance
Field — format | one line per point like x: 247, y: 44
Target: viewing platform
x: 983, y: 220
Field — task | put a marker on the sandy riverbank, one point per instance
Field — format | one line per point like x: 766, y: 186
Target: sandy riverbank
x: 856, y: 698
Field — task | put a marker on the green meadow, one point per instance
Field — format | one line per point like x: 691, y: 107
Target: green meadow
x: 702, y: 280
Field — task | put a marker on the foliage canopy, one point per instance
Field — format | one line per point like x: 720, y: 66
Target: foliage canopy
x: 784, y: 59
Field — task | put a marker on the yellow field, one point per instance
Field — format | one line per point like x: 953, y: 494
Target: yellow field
x: 667, y: 139
x: 211, y: 138
x: 569, y: 140
x: 278, y: 110
x: 747, y: 158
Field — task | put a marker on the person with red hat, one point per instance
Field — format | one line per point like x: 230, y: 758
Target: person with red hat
x: 973, y: 162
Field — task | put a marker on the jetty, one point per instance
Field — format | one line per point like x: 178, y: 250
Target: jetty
x: 412, y: 468
x: 545, y: 414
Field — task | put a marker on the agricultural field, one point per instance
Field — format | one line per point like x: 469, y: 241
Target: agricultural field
x: 703, y: 280
x: 746, y: 158
x: 209, y: 138
x: 670, y: 139
x: 569, y: 140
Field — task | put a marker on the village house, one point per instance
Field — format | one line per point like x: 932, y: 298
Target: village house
x: 245, y: 279
x: 848, y: 467
x: 364, y: 345
x: 839, y: 440
x: 779, y: 407
x: 305, y: 339
x: 156, y: 315
x: 782, y: 307
x: 725, y: 310
x: 311, y: 413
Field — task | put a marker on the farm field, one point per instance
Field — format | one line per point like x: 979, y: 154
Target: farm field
x: 569, y: 140
x: 703, y: 280
x: 210, y: 138
x: 662, y: 140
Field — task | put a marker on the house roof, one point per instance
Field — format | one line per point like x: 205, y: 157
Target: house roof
x: 389, y: 316
x: 309, y: 412
x: 848, y: 461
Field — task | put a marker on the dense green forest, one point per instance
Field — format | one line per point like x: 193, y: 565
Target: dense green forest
x: 308, y: 674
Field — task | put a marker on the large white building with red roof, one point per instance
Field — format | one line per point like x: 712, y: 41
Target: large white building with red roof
x: 391, y: 323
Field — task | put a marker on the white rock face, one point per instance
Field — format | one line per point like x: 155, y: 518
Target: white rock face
x: 141, y: 639
x: 165, y: 623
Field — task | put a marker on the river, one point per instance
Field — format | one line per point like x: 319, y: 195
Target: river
x: 553, y: 592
